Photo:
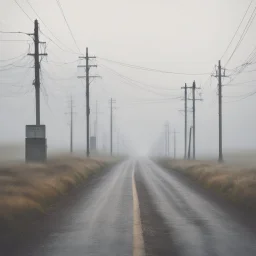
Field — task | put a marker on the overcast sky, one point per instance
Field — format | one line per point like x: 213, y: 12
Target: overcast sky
x: 178, y: 36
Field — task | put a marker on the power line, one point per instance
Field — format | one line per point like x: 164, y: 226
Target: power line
x: 23, y: 10
x: 18, y: 60
x: 245, y: 97
x: 151, y: 69
x: 246, y: 82
x: 13, y: 32
x: 69, y: 50
x: 22, y: 55
x: 63, y: 14
x: 249, y: 61
x: 61, y: 63
x: 247, y: 27
x: 9, y: 40
x: 156, y: 101
x: 132, y: 81
x: 249, y: 71
x: 145, y: 84
x: 56, y: 78
x: 237, y: 29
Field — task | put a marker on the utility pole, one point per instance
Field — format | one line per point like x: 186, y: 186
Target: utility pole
x: 87, y: 77
x: 219, y: 75
x: 189, y: 145
x: 167, y: 139
x: 71, y: 114
x: 194, y: 116
x: 117, y: 142
x: 174, y: 144
x: 37, y: 69
x: 71, y: 125
x: 96, y: 122
x: 186, y: 114
x: 111, y: 126
x: 112, y: 101
x: 194, y: 119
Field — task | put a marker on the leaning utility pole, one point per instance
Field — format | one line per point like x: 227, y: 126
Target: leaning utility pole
x: 37, y: 70
x: 189, y: 144
x: 219, y: 75
x: 87, y: 76
x: 186, y: 114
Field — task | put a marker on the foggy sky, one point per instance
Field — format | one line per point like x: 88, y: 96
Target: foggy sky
x: 180, y: 36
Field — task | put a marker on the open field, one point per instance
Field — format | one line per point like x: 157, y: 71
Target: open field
x: 242, y: 158
x: 27, y: 189
x: 236, y: 183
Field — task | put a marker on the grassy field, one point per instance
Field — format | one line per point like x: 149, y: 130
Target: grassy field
x: 241, y: 158
x: 234, y: 182
x: 31, y: 188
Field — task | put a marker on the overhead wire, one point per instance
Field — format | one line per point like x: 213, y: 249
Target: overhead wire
x: 245, y: 82
x: 132, y: 82
x: 151, y: 69
x: 241, y: 22
x: 6, y: 60
x: 23, y: 10
x: 69, y: 50
x: 22, y: 57
x: 243, y: 97
x: 240, y: 69
x: 56, y: 78
x: 246, y: 29
x: 12, y: 40
x: 61, y: 63
x: 63, y: 14
x: 146, y: 84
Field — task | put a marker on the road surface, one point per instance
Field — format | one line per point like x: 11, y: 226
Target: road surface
x: 138, y: 208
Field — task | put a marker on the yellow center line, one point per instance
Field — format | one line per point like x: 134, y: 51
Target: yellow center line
x: 138, y: 243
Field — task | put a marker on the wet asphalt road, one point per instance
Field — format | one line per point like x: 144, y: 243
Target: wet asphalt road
x: 175, y: 218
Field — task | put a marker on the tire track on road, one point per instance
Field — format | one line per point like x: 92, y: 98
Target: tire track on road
x: 156, y: 233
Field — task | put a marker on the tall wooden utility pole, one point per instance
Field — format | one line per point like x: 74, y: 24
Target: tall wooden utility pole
x: 194, y: 119
x: 87, y: 77
x: 96, y: 125
x: 37, y: 69
x: 112, y: 101
x: 220, y: 75
x: 186, y: 119
x: 194, y: 116
x: 111, y: 127
x: 220, y: 114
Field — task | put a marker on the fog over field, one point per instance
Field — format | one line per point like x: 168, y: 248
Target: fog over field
x: 187, y: 37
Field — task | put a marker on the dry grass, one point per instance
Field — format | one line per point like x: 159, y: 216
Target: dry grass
x: 235, y: 183
x: 27, y: 188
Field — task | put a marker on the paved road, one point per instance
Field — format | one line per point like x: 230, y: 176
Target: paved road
x: 139, y: 209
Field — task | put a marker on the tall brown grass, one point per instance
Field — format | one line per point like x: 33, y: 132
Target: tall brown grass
x: 27, y: 188
x: 235, y: 183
